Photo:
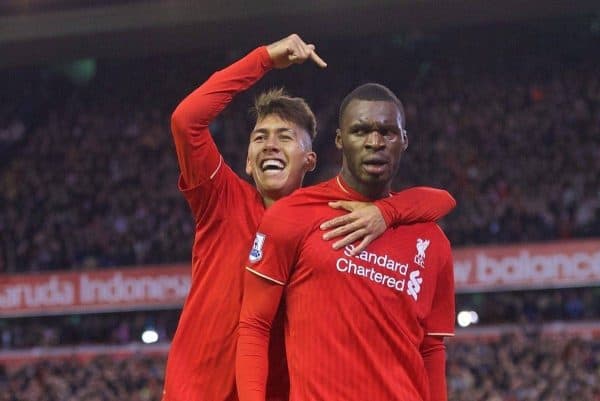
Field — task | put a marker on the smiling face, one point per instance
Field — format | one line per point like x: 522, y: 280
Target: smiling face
x: 279, y: 154
x: 372, y: 139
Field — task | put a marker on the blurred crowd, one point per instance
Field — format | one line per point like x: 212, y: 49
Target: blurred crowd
x: 75, y: 194
x: 88, y: 172
x: 524, y: 368
x: 104, y: 378
x: 90, y: 329
x: 533, y: 307
x: 515, y: 367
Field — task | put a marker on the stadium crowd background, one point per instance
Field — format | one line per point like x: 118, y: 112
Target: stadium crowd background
x: 88, y: 180
x: 89, y: 174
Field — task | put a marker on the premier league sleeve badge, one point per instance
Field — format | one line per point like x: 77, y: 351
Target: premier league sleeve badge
x: 256, y: 252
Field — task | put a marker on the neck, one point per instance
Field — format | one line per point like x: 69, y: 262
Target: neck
x: 371, y: 191
x: 267, y: 201
x: 269, y: 197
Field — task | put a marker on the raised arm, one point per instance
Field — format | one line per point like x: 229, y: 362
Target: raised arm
x: 367, y: 221
x: 259, y: 306
x: 197, y: 153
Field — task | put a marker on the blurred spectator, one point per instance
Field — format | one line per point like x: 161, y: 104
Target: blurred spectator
x: 91, y: 179
x: 137, y: 378
x: 91, y: 329
x: 533, y: 306
x: 516, y: 367
x: 522, y: 368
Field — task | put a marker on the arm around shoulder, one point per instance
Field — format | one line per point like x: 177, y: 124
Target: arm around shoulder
x: 416, y: 205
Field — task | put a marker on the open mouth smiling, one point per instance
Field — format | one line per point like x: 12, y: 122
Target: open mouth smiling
x: 273, y: 165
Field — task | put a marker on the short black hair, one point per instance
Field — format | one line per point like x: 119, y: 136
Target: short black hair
x: 374, y: 92
x: 289, y: 108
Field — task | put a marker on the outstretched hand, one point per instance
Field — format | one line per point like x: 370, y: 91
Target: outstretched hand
x: 293, y: 50
x: 364, y: 222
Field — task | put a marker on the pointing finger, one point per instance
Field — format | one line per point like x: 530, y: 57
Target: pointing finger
x: 318, y: 60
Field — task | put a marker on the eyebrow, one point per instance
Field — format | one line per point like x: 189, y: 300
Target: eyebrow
x: 277, y: 130
x: 374, y: 125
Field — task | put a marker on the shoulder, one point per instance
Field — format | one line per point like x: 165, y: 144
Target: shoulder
x: 429, y: 245
x: 230, y: 190
x: 220, y: 196
x: 430, y: 231
x: 302, y: 198
x: 437, y: 232
x: 298, y: 212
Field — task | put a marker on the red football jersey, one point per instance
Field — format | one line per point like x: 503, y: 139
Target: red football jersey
x: 227, y: 210
x: 353, y: 325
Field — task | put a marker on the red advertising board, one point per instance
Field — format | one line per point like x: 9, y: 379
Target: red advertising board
x: 527, y: 266
x: 481, y: 269
x: 151, y: 287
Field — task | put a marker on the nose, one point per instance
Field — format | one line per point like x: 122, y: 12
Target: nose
x: 375, y: 140
x: 271, y: 143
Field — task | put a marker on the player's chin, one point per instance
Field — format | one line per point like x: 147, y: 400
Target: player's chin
x: 376, y: 177
x: 275, y: 182
x: 277, y: 192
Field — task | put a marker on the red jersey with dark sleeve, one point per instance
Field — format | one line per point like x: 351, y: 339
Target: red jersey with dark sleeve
x: 354, y: 325
x: 227, y: 210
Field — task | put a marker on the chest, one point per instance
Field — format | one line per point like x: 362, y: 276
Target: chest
x: 398, y: 269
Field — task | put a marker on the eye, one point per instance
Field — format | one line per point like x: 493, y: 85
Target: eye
x: 388, y: 133
x: 286, y: 137
x: 359, y: 131
x: 258, y: 138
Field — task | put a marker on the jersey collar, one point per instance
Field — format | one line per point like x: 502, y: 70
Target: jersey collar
x: 345, y: 188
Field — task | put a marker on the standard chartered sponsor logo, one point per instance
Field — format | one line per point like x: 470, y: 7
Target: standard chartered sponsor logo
x: 379, y: 260
x: 348, y: 266
x: 371, y: 271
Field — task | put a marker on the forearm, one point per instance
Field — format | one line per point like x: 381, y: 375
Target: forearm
x: 433, y: 352
x: 252, y: 362
x: 416, y: 205
x: 259, y: 307
x: 200, y: 107
x: 196, y: 151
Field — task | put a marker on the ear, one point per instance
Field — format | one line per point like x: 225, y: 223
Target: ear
x: 404, y: 138
x: 310, y: 161
x: 338, y: 139
x: 249, y: 165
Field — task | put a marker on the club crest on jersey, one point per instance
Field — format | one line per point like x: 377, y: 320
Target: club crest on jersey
x: 256, y: 253
x: 422, y: 245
